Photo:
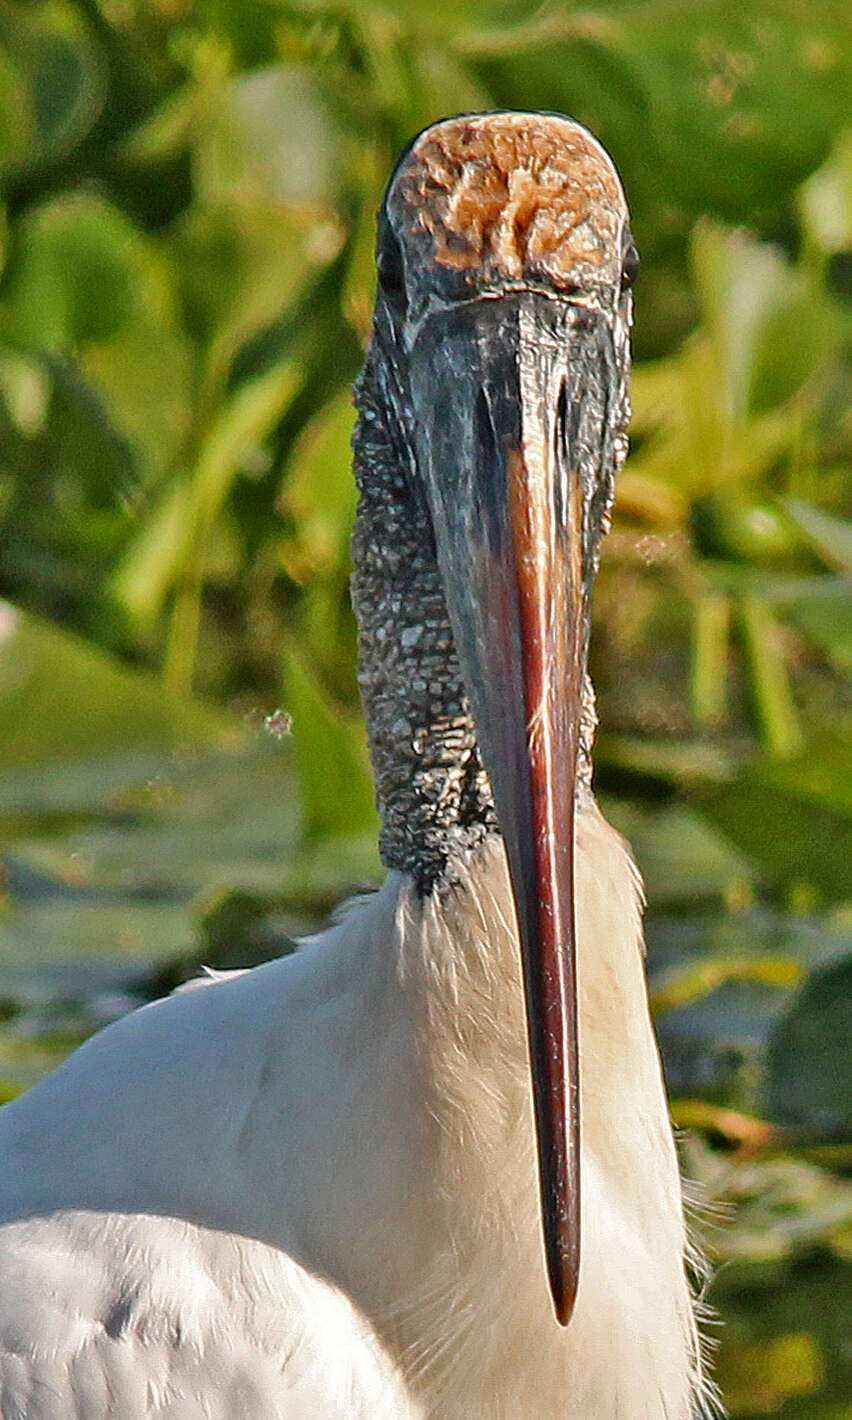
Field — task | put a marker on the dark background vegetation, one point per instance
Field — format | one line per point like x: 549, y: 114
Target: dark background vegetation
x: 189, y: 194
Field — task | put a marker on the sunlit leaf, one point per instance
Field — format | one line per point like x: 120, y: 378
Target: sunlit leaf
x: 689, y: 983
x: 274, y: 138
x: 25, y: 386
x: 142, y: 579
x: 658, y: 503
x: 739, y: 281
x: 732, y: 1124
x: 825, y: 200
x: 697, y: 438
x: 186, y: 512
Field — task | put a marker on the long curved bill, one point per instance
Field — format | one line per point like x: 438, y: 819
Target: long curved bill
x: 508, y: 400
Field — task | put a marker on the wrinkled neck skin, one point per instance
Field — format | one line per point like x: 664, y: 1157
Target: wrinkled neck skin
x: 432, y: 790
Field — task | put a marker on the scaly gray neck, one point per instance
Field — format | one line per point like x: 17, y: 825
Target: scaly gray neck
x: 433, y: 793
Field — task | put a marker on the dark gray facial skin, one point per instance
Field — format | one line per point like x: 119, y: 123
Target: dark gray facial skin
x: 493, y: 404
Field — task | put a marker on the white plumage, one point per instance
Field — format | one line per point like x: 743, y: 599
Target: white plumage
x: 309, y: 1189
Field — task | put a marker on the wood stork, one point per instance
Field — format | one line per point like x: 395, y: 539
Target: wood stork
x: 325, y: 1188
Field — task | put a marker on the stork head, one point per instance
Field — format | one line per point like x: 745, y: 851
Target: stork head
x: 503, y: 310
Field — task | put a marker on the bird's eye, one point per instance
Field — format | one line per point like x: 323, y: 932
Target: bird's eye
x: 630, y: 266
x: 390, y: 266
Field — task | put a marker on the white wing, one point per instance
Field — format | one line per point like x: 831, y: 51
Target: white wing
x: 161, y: 1191
x: 130, y: 1317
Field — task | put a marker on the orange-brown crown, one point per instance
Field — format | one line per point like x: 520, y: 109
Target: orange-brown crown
x: 511, y: 195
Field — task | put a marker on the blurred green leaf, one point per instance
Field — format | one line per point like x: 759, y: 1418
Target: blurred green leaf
x: 797, y: 338
x: 809, y: 1081
x: 732, y: 526
x: 142, y: 579
x: 769, y: 1373
x: 242, y: 425
x: 60, y: 698
x: 773, y: 696
x: 738, y: 281
x: 689, y: 983
x: 240, y: 266
x: 443, y: 85
x: 722, y: 87
x: 17, y: 120
x: 710, y: 659
x: 72, y: 280
x: 823, y: 614
x: 825, y: 200
x: 275, y: 138
x: 331, y: 757
x: 792, y: 816
x: 672, y: 761
x: 85, y: 283
x: 680, y: 856
x: 25, y: 387
x: 774, y: 1208
x: 359, y: 289
x: 319, y: 491
x: 144, y: 376
x: 830, y: 537
x: 54, y: 83
x: 179, y: 529
x: 695, y: 442
x: 174, y: 124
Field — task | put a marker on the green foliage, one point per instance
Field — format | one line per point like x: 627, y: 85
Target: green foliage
x: 808, y: 1066
x: 187, y: 203
x: 336, y: 788
x: 63, y: 700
